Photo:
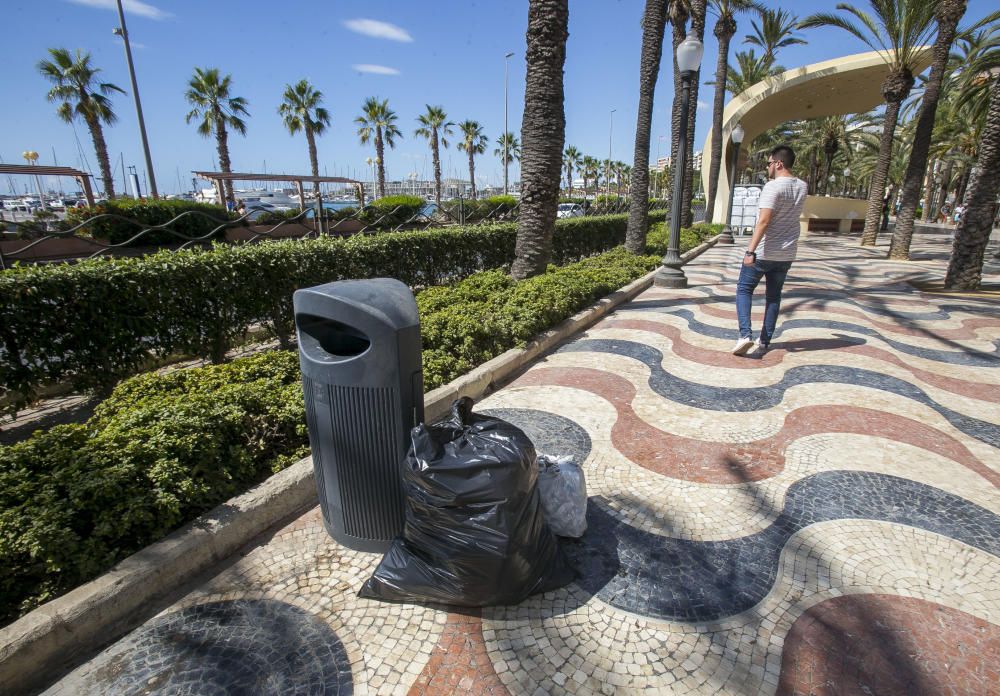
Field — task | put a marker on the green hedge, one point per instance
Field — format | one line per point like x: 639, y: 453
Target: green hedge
x: 392, y: 211
x: 165, y: 447
x: 200, y: 220
x: 99, y: 320
x: 492, y: 208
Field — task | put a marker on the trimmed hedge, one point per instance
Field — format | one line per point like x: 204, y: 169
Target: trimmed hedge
x: 166, y: 447
x: 200, y: 220
x: 392, y: 211
x: 97, y: 321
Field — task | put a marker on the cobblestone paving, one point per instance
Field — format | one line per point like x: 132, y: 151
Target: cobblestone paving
x: 823, y: 520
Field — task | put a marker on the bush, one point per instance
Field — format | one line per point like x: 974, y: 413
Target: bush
x: 199, y: 220
x: 161, y: 450
x: 273, y: 217
x: 658, y: 236
x: 393, y: 211
x: 94, y: 322
x: 492, y: 208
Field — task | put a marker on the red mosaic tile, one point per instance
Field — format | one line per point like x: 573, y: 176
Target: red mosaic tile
x: 459, y: 662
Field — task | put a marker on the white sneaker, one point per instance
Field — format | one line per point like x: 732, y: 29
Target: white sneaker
x: 742, y: 346
x: 758, y: 350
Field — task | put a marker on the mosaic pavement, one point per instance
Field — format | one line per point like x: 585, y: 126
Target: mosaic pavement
x: 823, y: 520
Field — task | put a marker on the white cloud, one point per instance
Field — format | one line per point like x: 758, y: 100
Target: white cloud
x: 132, y: 7
x: 375, y: 69
x: 378, y: 30
x: 702, y: 105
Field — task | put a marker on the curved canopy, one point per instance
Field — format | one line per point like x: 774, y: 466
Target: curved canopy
x: 847, y: 85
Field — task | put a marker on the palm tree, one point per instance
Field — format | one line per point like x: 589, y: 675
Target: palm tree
x: 965, y: 268
x: 678, y: 13
x: 301, y: 111
x: 749, y: 70
x: 591, y: 170
x: 377, y: 121
x: 509, y: 144
x: 698, y: 11
x: 81, y: 95
x: 897, y: 31
x: 654, y: 22
x: 208, y: 93
x: 725, y: 29
x: 948, y: 13
x: 543, y: 132
x: 774, y: 31
x: 473, y: 142
x: 571, y: 160
x: 435, y: 126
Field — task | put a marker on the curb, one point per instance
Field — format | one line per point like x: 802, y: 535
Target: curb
x: 42, y: 645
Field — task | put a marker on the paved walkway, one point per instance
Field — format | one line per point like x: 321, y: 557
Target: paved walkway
x: 823, y: 520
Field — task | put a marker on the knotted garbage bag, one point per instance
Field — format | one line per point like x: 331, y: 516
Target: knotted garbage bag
x: 562, y: 488
x: 475, y: 534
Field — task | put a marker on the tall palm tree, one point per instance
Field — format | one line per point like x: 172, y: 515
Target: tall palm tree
x: 897, y: 31
x: 435, y: 126
x: 947, y: 13
x: 211, y: 101
x: 571, y: 160
x: 775, y: 31
x: 591, y: 170
x: 965, y: 268
x: 76, y: 87
x: 698, y: 13
x: 378, y: 122
x: 654, y: 23
x: 301, y: 111
x: 678, y: 12
x: 748, y: 71
x: 543, y: 132
x: 725, y: 29
x: 508, y: 143
x: 473, y: 142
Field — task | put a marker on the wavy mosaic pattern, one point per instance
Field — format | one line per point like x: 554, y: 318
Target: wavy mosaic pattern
x: 825, y: 519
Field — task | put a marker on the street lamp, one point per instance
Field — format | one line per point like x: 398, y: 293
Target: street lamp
x: 737, y: 137
x: 607, y: 165
x: 847, y: 173
x: 123, y: 32
x: 670, y: 275
x: 31, y: 157
x: 506, y: 140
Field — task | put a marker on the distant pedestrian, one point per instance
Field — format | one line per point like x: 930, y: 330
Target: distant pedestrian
x: 771, y: 250
x: 959, y: 214
x: 945, y: 214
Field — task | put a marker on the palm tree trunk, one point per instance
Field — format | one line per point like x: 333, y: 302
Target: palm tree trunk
x: 437, y: 167
x: 569, y: 179
x: 380, y: 156
x: 873, y: 218
x: 543, y: 133
x: 965, y: 268
x: 653, y: 25
x: 101, y: 150
x: 949, y: 14
x: 698, y: 29
x: 313, y: 160
x: 472, y: 171
x: 721, y: 67
x: 225, y: 166
x: 928, y: 194
x: 942, y: 196
x: 678, y: 22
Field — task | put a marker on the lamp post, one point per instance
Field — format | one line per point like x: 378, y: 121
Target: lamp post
x: 737, y: 137
x: 607, y: 164
x: 506, y: 140
x: 670, y: 275
x: 123, y: 32
x: 847, y: 173
x: 31, y: 157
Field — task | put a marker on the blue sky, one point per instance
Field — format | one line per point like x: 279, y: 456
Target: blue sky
x: 447, y: 52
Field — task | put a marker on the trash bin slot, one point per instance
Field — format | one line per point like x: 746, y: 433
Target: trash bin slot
x: 331, y: 336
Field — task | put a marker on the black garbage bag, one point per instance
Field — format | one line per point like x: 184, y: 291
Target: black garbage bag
x: 475, y: 534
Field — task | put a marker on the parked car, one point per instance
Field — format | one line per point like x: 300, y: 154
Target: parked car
x: 569, y: 210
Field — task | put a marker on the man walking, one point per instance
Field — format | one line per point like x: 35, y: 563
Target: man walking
x: 772, y: 249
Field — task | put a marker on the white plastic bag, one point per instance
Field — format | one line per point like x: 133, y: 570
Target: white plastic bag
x: 563, y: 492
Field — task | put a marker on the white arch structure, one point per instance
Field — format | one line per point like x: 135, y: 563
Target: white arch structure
x: 847, y: 85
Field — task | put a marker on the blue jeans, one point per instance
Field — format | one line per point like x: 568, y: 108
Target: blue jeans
x: 774, y: 273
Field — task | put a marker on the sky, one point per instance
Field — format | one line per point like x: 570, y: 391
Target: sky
x: 443, y: 52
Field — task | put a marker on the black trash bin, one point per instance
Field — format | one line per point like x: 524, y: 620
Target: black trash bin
x: 359, y: 347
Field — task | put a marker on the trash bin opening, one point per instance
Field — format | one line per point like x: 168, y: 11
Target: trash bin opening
x: 333, y: 337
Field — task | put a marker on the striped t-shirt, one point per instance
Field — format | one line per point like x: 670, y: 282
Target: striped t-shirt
x: 785, y: 196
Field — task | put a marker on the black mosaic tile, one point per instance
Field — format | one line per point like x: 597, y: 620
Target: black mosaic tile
x: 239, y: 647
x: 551, y: 434
x: 742, y: 399
x: 684, y: 580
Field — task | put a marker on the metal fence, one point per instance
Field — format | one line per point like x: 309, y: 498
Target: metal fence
x: 45, y: 240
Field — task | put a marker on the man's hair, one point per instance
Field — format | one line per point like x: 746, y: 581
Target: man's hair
x: 785, y: 155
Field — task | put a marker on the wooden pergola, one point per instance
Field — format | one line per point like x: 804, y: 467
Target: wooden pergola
x: 83, y: 178
x: 298, y: 179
